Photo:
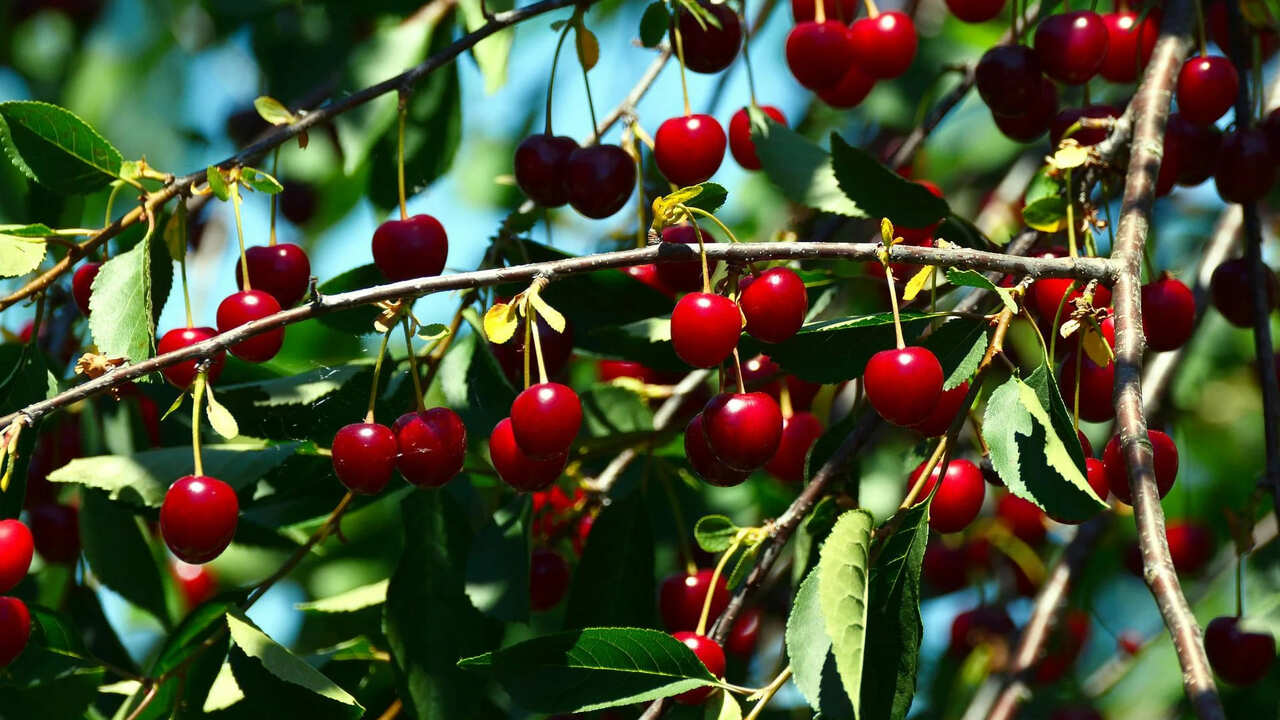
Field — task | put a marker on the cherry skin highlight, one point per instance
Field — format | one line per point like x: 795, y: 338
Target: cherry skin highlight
x: 1207, y: 86
x: 689, y: 149
x: 197, y: 583
x: 545, y: 419
x: 958, y: 500
x: 682, y: 595
x: 82, y: 285
x: 16, y: 550
x: 415, y: 247
x: 884, y: 45
x: 541, y: 162
x: 903, y: 385
x: 1168, y: 313
x: 245, y: 307
x: 1096, y: 474
x: 686, y: 275
x: 799, y: 433
x: 518, y: 469
x: 1165, y: 455
x: 1072, y: 46
x: 774, y: 304
x: 740, y: 144
x: 599, y: 180
x: 282, y: 271
x: 1237, y: 656
x: 709, y: 49
x: 705, y: 329
x: 432, y: 444
x: 1130, y: 42
x: 819, y: 53
x: 1229, y: 291
x: 15, y: 629
x: 364, y: 456
x: 198, y: 518
x: 743, y: 429
x: 548, y: 579
x: 182, y: 375
x: 711, y: 655
x: 704, y: 462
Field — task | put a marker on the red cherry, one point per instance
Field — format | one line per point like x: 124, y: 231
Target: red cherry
x: 1229, y: 288
x: 1034, y: 120
x: 540, y: 166
x: 685, y: 275
x: 711, y: 655
x: 1008, y: 79
x: 599, y: 180
x: 704, y: 462
x: 975, y: 11
x: 415, y: 247
x: 1085, y: 445
x: 1072, y: 46
x: 744, y: 634
x: 548, y: 579
x: 681, y: 597
x: 944, y: 567
x: 774, y: 304
x: 608, y: 370
x: 1130, y: 42
x: 743, y: 429
x: 819, y: 53
x: 582, y: 531
x: 842, y: 10
x: 1063, y: 647
x: 82, y: 285
x: 432, y: 445
x: 1096, y: 383
x: 298, y: 202
x: 198, y: 518
x: 244, y: 307
x: 689, y: 148
x: 556, y: 350
x: 958, y: 500
x: 740, y: 144
x: 518, y: 469
x: 938, y: 421
x: 799, y: 433
x: 16, y: 549
x: 852, y: 88
x: 648, y: 274
x: 707, y: 48
x: 1085, y: 136
x: 884, y: 45
x: 364, y: 455
x: 1246, y: 166
x: 1207, y: 86
x: 705, y: 328
x: 1023, y: 518
x: 15, y: 629
x: 1046, y: 296
x: 1168, y: 313
x: 1193, y: 149
x: 545, y: 419
x: 976, y: 626
x: 1166, y: 465
x: 1237, y: 656
x: 55, y: 531
x: 182, y: 374
x: 904, y: 384
x: 1190, y: 546
x: 1095, y: 472
x: 282, y: 271
x: 197, y: 583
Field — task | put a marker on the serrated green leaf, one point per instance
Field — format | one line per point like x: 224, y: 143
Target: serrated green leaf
x: 614, y: 581
x: 714, y: 533
x: 973, y: 278
x: 811, y: 533
x: 813, y: 666
x: 843, y: 591
x: 57, y: 149
x: 473, y: 382
x: 217, y: 183
x: 30, y: 230
x: 610, y: 411
x: 710, y: 199
x: 1048, y: 214
x: 357, y: 320
x: 258, y: 180
x: 799, y: 168
x: 654, y: 24
x: 365, y: 596
x: 492, y: 53
x: 880, y: 192
x: 285, y: 665
x: 224, y: 692
x: 301, y: 389
x: 964, y: 233
x: 894, y: 627
x: 498, y: 564
x: 20, y: 254
x: 118, y: 553
x: 121, y: 305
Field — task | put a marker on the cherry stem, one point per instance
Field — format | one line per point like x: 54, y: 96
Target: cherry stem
x: 684, y: 85
x: 111, y: 201
x: 413, y: 363
x: 197, y: 400
x: 784, y: 394
x: 702, y: 251
x: 537, y: 343
x: 1240, y: 586
x: 746, y: 55
x: 1057, y: 318
x: 528, y: 350
x: 767, y: 693
x: 244, y: 260
x: 186, y: 292
x: 1200, y: 33
x: 715, y: 577
x: 820, y: 11
x: 872, y: 10
x: 1071, y: 204
x: 1075, y: 416
x: 555, y: 62
x: 402, y: 110
x: 925, y: 473
x: 275, y: 172
x: 377, y: 375
x: 737, y: 365
x: 591, y: 106
x: 893, y: 303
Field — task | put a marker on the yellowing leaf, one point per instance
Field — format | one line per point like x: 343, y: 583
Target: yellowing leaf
x: 1070, y: 155
x: 588, y: 47
x: 1095, y: 346
x: 917, y: 283
x: 273, y: 111
x: 20, y: 255
x: 548, y: 313
x: 500, y: 323
x: 223, y: 422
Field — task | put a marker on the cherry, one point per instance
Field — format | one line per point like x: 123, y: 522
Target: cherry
x: 608, y: 370
x: 1168, y: 313
x: 197, y: 583
x: 55, y: 531
x: 182, y: 374
x: 1008, y: 79
x: 1085, y: 136
x: 704, y: 462
x: 774, y: 304
x: 744, y: 634
x: 1246, y: 166
x: 852, y: 88
x: 15, y: 629
x: 245, y: 307
x: 198, y: 518
x: 545, y: 419
x: 415, y: 247
x: 743, y: 430
x: 1193, y: 148
x: 548, y: 579
x: 689, y: 148
x: 1207, y: 87
x: 1063, y: 647
x: 944, y: 567
x: 282, y: 271
x: 819, y: 53
x: 297, y: 202
x: 556, y: 350
x: 681, y: 597
x: 582, y: 531
x: 1096, y: 383
x: 1237, y: 656
x: 1072, y: 46
x: 82, y: 285
x: 685, y: 275
x: 709, y: 49
x: 711, y: 655
x: 540, y: 167
x: 553, y: 510
x: 648, y: 274
x: 1190, y: 546
x: 1085, y: 445
x: 599, y: 180
x: 705, y: 328
x: 1095, y: 472
x: 1130, y: 42
x: 884, y: 45
x: 975, y: 11
x: 518, y: 469
x: 740, y: 143
x: 1034, y: 120
x: 16, y: 549
x: 1046, y: 296
x: 432, y: 445
x: 949, y: 403
x: 903, y: 384
x: 958, y: 499
x: 1022, y: 518
x: 799, y: 433
x: 974, y: 627
x: 842, y: 10
x: 1166, y: 465
x: 1229, y: 288
x: 364, y: 455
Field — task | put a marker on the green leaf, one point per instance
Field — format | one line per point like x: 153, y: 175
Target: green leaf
x: 798, y: 167
x: 217, y: 183
x: 30, y: 230
x: 654, y: 24
x: 962, y: 232
x: 474, y: 384
x: 52, y: 677
x: 843, y: 591
x: 835, y: 350
x: 880, y: 192
x: 57, y: 149
x: 1043, y: 185
x: 284, y: 664
x: 498, y: 564
x: 118, y: 553
x: 811, y: 533
x: 959, y: 346
x: 358, y: 320
x: 365, y: 596
x: 492, y: 53
x: 610, y: 411
x: 122, y: 306
x: 220, y: 418
x: 302, y: 389
x: 892, y: 653
x: 710, y: 199
x: 20, y: 254
x: 1048, y: 214
x: 593, y: 668
x: 813, y: 665
x: 258, y: 180
x: 973, y: 278
x: 175, y: 233
x: 614, y: 581
x: 714, y: 533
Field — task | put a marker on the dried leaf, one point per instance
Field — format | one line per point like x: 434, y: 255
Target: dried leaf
x: 92, y: 365
x: 390, y: 314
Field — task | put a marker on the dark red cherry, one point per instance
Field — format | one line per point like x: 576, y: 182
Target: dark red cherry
x: 1036, y: 115
x: 958, y: 499
x: 582, y: 531
x: 903, y: 385
x: 1271, y: 126
x: 364, y: 455
x: 1191, y: 546
x: 1085, y: 136
x: 545, y: 419
x: 744, y: 634
x: 1246, y: 166
x: 682, y: 595
x: 852, y: 88
x: 15, y: 629
x: 774, y: 304
x: 298, y: 201
x: 1168, y: 313
x: 975, y: 11
x: 432, y: 445
x: 1096, y: 383
x: 16, y: 549
x: 197, y: 583
x: 556, y: 350
x: 648, y: 274
x: 707, y: 48
x: 1095, y: 471
x: 1194, y: 147
x: 1207, y: 87
x: 1008, y: 79
x: 541, y: 163
x: 282, y: 271
x: 518, y: 469
x: 843, y: 10
x: 1046, y: 296
x: 944, y: 567
x: 709, y: 467
x: 198, y: 518
x: 689, y: 148
x: 743, y: 429
x: 949, y: 404
x: 182, y: 374
x: 1022, y: 518
x: 608, y: 370
x: 1130, y: 42
x: 1237, y: 656
x: 711, y: 655
x: 884, y: 45
x: 1071, y: 46
x: 1085, y: 445
x: 55, y: 531
x: 415, y: 247
x: 548, y: 579
x: 799, y: 433
x: 819, y: 53
x: 1165, y: 454
x: 740, y: 144
x: 1063, y: 647
x: 245, y: 307
x: 977, y: 626
x: 82, y: 285
x: 1229, y: 288
x: 685, y: 275
x: 705, y: 328
x: 599, y: 180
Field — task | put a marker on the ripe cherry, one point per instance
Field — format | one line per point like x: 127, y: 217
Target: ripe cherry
x: 711, y: 655
x: 740, y: 143
x: 743, y: 429
x: 198, y: 518
x: 707, y: 48
x: 681, y: 597
x: 608, y: 370
x: 415, y: 247
x: 599, y: 180
x: 1008, y: 79
x: 182, y: 374
x: 685, y: 275
x: 1095, y: 472
x: 704, y: 462
x: 884, y: 45
x: 975, y: 11
x: 1063, y: 647
x: 705, y: 328
x: 518, y: 469
x: 548, y: 579
x: 1168, y: 313
x: 944, y: 567
x: 1096, y: 383
x: 82, y: 285
x: 1071, y: 46
x: 1034, y: 120
x: 1229, y: 288
x: 977, y: 626
x: 1207, y: 86
x: 648, y: 274
x: 689, y: 148
x: 432, y: 445
x: 55, y: 531
x: 556, y: 350
x: 298, y: 202
x: 1085, y: 136
x: 1194, y: 149
x: 245, y: 307
x: 540, y: 167
x: 903, y: 384
x: 1246, y: 166
x: 1190, y: 546
x: 938, y: 421
x: 842, y: 10
x: 819, y: 53
x: 1022, y: 518
x: 1047, y: 295
x: 282, y: 271
x: 1130, y: 42
x: 1267, y: 40
x: 852, y: 88
x: 958, y: 499
x: 364, y: 456
x: 744, y: 634
x: 1166, y: 465
x: 16, y: 549
x: 197, y: 583
x: 1238, y: 656
x: 15, y: 629
x: 545, y: 419
x: 774, y: 304
x: 799, y: 433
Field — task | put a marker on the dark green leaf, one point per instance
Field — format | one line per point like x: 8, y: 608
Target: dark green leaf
x: 285, y: 665
x: 711, y: 197
x: 613, y: 583
x: 809, y: 537
x: 654, y: 24
x: 260, y: 181
x: 714, y: 533
x: 30, y: 230
x: 798, y: 167
x: 613, y: 411
x: 358, y: 320
x: 843, y: 592
x: 54, y: 147
x: 809, y: 650
x: 880, y: 192
x: 365, y: 596
x: 118, y: 553
x: 837, y: 350
x: 973, y: 278
x: 959, y: 346
x: 474, y: 384
x: 498, y: 564
x: 893, y: 620
x: 1048, y: 214
x: 1042, y: 186
x: 51, y: 678
x: 962, y: 232
x: 96, y: 632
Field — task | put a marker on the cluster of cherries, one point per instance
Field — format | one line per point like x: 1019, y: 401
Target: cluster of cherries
x: 530, y: 447
x: 427, y: 446
x: 681, y: 603
x: 16, y: 550
x: 840, y: 58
